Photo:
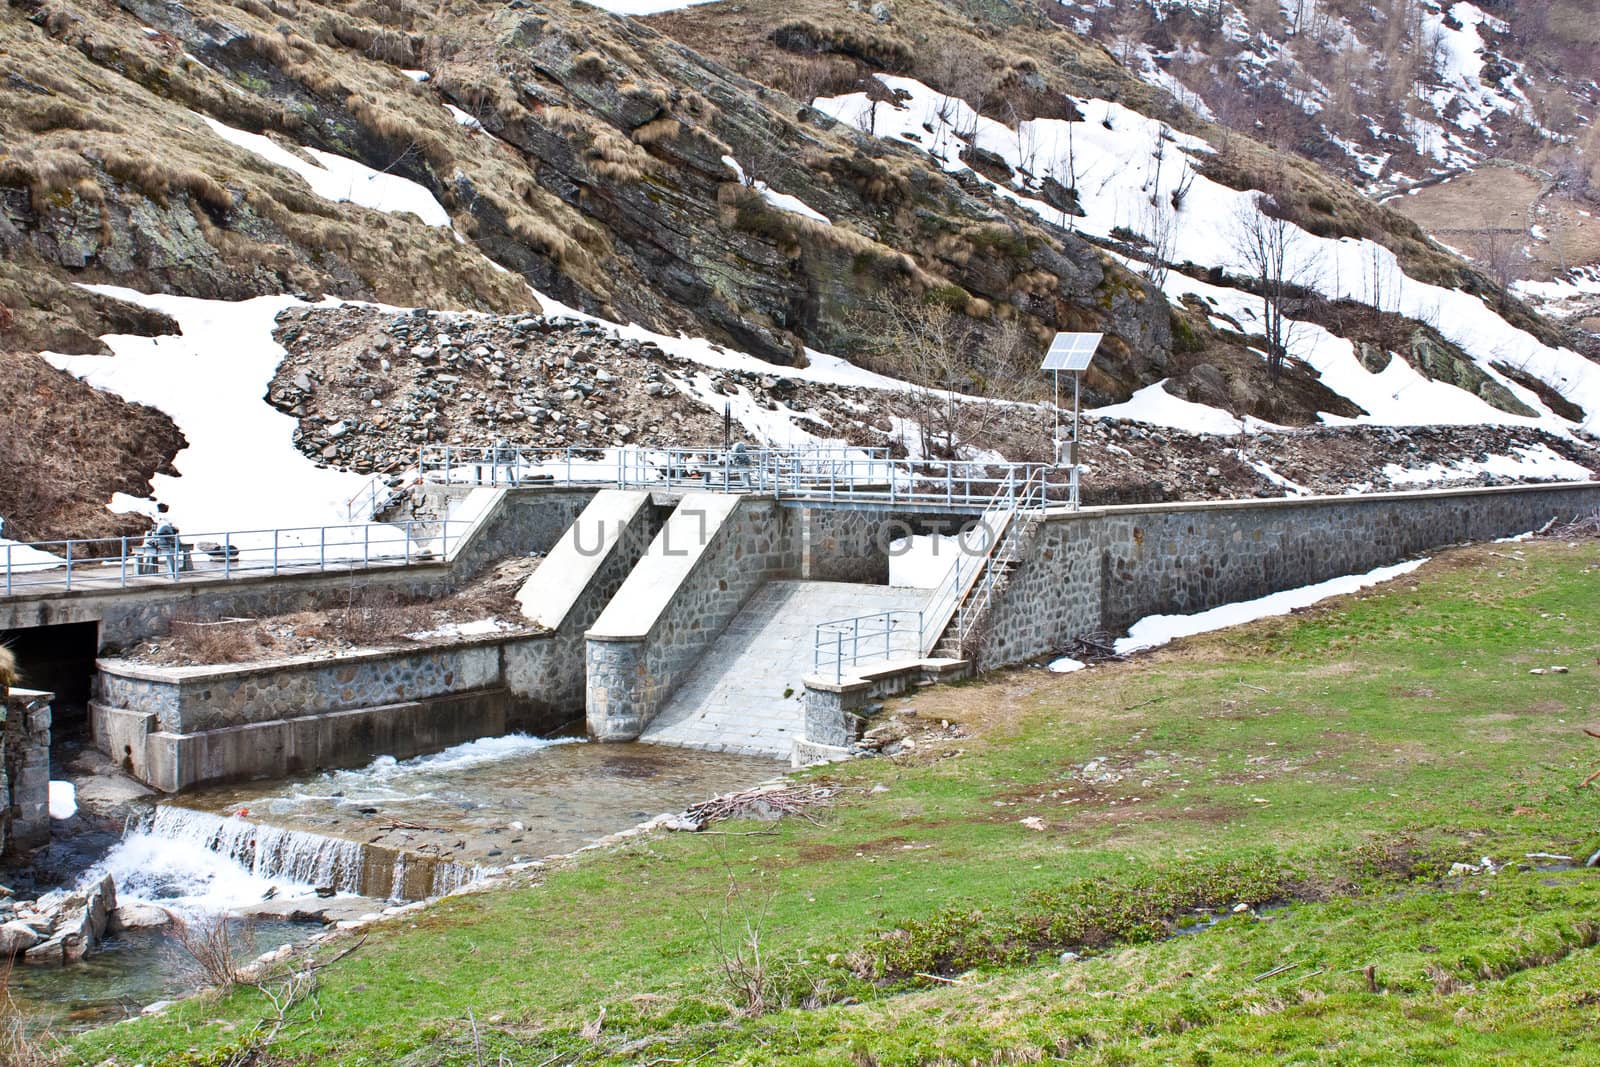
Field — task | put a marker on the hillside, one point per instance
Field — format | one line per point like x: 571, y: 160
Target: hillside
x: 926, y: 190
x: 1475, y: 120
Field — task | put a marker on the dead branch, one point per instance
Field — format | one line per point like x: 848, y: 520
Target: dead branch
x: 762, y: 802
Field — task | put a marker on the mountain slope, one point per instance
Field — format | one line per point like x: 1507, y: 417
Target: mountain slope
x: 527, y: 157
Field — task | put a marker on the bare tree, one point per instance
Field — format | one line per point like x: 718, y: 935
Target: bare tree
x: 1269, y: 247
x: 955, y: 368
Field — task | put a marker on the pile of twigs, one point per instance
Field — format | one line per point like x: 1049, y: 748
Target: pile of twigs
x: 1587, y: 526
x: 766, y: 802
x: 1096, y: 647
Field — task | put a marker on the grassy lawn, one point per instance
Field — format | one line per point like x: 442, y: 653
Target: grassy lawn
x: 1242, y: 844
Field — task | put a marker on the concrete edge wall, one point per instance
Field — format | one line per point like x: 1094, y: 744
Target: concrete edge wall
x: 24, y: 769
x: 518, y: 683
x: 639, y: 652
x: 1106, y: 568
x: 327, y: 741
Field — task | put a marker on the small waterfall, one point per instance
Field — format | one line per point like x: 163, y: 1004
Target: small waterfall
x: 198, y: 861
x: 266, y: 851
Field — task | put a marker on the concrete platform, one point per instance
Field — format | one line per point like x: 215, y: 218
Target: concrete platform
x: 746, y: 695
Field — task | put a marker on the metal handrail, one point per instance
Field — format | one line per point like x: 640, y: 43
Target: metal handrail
x: 118, y: 562
x: 832, y: 474
x: 869, y: 636
x: 865, y: 637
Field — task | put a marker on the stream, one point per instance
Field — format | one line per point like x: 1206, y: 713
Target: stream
x: 392, y: 830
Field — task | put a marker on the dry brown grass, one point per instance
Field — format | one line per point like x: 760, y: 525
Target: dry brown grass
x: 69, y: 447
x: 217, y: 640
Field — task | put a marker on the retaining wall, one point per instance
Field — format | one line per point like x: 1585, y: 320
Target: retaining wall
x: 174, y: 727
x: 24, y: 769
x: 1106, y: 568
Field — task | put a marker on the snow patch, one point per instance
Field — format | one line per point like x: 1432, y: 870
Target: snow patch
x: 1157, y: 630
x: 342, y: 180
x: 63, y: 800
x: 240, y: 469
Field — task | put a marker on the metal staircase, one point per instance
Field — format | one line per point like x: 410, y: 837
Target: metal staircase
x: 1016, y: 520
x: 961, y: 637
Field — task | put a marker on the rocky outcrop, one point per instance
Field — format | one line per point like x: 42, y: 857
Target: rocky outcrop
x: 69, y: 925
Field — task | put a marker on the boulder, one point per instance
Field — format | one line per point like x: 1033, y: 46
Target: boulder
x: 15, y: 938
x: 137, y: 916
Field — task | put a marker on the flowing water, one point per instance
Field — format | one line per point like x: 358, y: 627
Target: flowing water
x: 392, y: 829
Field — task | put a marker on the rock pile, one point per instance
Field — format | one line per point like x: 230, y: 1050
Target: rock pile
x: 370, y: 387
x: 65, y: 925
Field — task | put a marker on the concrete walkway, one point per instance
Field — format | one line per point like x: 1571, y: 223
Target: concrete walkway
x: 735, y: 701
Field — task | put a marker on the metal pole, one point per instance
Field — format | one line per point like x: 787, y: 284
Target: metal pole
x: 69, y: 564
x: 1077, y: 381
x: 838, y: 656
x: 227, y: 554
x: 366, y: 540
x: 8, y: 569
x: 123, y: 583
x: 1055, y: 432
x: 274, y: 552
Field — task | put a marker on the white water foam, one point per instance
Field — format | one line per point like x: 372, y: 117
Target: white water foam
x: 196, y: 863
x: 389, y: 779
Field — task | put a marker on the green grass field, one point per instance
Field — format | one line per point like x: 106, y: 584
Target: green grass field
x: 1246, y: 840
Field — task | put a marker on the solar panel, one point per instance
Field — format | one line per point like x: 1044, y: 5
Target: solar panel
x: 1071, y: 351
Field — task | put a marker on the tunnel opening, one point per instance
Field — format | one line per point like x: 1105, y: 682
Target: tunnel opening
x: 59, y: 659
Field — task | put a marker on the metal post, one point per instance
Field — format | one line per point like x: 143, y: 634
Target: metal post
x: 838, y: 656
x: 227, y: 555
x: 322, y: 548
x: 366, y: 540
x: 888, y: 625
x: 444, y: 526
x: 8, y: 569
x: 1055, y: 432
x: 274, y: 552
x: 69, y: 564
x: 123, y: 583
x: 1077, y: 381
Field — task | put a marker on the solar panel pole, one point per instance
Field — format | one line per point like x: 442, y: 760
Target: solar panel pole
x: 1077, y: 381
x: 1055, y: 433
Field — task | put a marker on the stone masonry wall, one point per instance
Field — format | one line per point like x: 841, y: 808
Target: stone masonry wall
x: 1107, y: 568
x: 24, y: 769
x: 557, y: 667
x: 630, y: 678
x: 189, y: 700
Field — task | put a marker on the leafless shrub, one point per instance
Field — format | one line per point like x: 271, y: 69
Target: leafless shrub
x: 374, y: 615
x: 734, y: 932
x: 212, y: 943
x: 19, y: 1047
x: 216, y: 641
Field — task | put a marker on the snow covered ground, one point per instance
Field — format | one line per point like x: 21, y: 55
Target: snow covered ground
x: 240, y: 470
x: 1157, y: 630
x: 1122, y: 163
x: 340, y: 179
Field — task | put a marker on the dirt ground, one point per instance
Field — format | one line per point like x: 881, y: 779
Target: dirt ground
x: 1490, y: 212
x: 367, y: 619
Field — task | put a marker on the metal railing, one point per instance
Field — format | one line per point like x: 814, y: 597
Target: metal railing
x: 876, y: 636
x: 866, y: 638
x: 120, y: 562
x: 822, y: 474
x: 375, y: 496
x: 625, y: 468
